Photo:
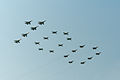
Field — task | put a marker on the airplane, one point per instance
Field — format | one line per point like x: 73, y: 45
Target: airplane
x: 69, y: 38
x: 71, y: 61
x: 89, y: 58
x: 40, y: 49
x: 74, y: 50
x: 82, y: 46
x: 54, y: 32
x: 25, y: 34
x: 34, y: 28
x: 41, y: 22
x: 98, y: 53
x: 95, y: 48
x: 28, y: 22
x: 51, y: 51
x: 60, y: 45
x: 45, y: 38
x: 17, y: 41
x: 65, y: 33
x: 83, y: 62
x: 37, y: 43
x: 65, y: 56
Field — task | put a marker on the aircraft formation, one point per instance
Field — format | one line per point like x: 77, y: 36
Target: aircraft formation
x: 33, y: 28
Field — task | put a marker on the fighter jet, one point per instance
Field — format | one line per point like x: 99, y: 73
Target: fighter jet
x: 89, y: 58
x: 65, y: 56
x: 34, y: 28
x: 66, y: 33
x: 74, y: 50
x: 51, y: 51
x: 94, y: 48
x: 82, y: 46
x: 69, y: 38
x: 83, y: 62
x: 70, y: 61
x: 37, y: 43
x: 40, y: 49
x: 28, y: 22
x: 17, y: 41
x: 45, y: 38
x: 98, y: 53
x: 60, y: 45
x: 41, y: 22
x: 54, y: 32
x: 25, y: 34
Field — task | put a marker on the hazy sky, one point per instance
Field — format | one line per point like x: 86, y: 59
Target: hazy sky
x: 90, y: 22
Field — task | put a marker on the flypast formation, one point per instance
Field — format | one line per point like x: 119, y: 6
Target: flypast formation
x: 34, y: 28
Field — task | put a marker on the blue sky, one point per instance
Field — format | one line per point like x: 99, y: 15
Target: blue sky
x: 90, y: 22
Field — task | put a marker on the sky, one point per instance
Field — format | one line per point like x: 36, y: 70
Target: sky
x: 90, y: 22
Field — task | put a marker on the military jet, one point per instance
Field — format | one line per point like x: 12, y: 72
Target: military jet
x: 83, y: 62
x: 74, y: 50
x: 45, y: 38
x: 65, y: 56
x: 40, y: 49
x: 98, y: 53
x: 66, y: 33
x: 17, y: 41
x: 37, y: 43
x: 89, y: 58
x: 25, y: 34
x: 28, y: 22
x: 94, y: 48
x: 51, y: 51
x: 69, y: 38
x: 82, y: 46
x: 54, y: 32
x: 34, y: 28
x: 60, y: 45
x: 71, y: 61
x: 41, y: 22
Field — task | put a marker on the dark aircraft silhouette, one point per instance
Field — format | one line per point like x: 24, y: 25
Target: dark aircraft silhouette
x: 74, y: 50
x: 89, y: 58
x: 66, y: 33
x: 66, y: 55
x: 98, y: 53
x: 45, y: 38
x: 83, y: 62
x: 82, y: 46
x: 95, y: 48
x: 41, y: 22
x: 69, y: 38
x: 70, y: 61
x: 40, y: 49
x: 17, y: 41
x: 34, y: 28
x: 51, y: 51
x: 37, y: 43
x: 54, y: 32
x: 25, y: 34
x: 60, y: 45
x: 28, y: 22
